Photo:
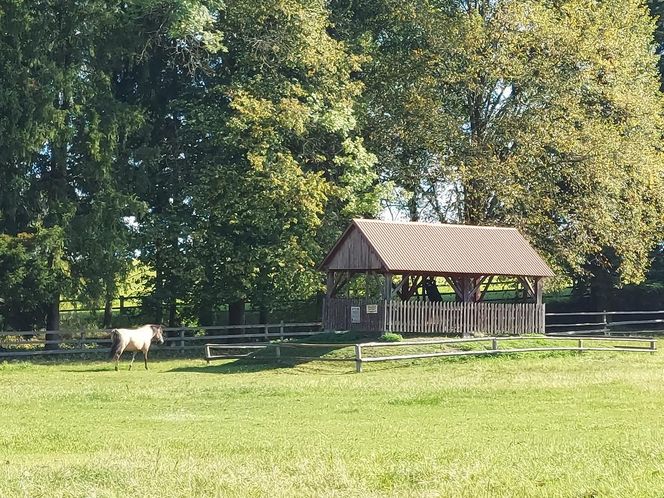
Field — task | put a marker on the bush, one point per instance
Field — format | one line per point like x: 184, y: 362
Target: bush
x: 391, y: 337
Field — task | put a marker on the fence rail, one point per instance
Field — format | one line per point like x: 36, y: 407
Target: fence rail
x: 360, y: 350
x: 605, y: 323
x: 177, y: 339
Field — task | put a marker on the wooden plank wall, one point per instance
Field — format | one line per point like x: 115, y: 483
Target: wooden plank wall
x: 338, y: 315
x: 465, y: 318
x: 443, y: 318
x: 355, y: 254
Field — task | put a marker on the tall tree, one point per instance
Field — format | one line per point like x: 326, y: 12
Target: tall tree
x: 541, y: 115
x: 278, y: 165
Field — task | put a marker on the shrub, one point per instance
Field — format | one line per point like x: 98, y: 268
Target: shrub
x: 391, y: 337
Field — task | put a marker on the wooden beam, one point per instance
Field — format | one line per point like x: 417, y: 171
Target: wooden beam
x: 477, y: 283
x: 455, y: 287
x: 329, y: 284
x: 528, y: 287
x: 396, y: 291
x: 486, y: 287
x: 412, y: 288
x: 539, y: 289
x: 387, y: 288
x: 339, y: 281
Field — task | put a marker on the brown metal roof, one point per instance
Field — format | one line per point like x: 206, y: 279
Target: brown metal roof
x: 411, y: 247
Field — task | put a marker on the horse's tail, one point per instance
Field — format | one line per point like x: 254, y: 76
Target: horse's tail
x: 115, y: 342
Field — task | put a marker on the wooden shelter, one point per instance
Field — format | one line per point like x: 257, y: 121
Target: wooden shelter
x: 411, y: 259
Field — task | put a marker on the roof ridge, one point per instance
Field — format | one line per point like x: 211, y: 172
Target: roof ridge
x: 427, y: 223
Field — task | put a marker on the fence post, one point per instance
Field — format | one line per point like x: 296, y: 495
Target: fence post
x: 281, y: 329
x: 278, y: 353
x: 494, y: 344
x: 580, y: 344
x: 80, y: 340
x: 122, y: 305
x: 182, y: 341
x: 358, y: 358
x: 605, y: 327
x: 653, y: 346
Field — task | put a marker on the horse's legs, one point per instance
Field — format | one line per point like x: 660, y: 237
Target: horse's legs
x: 145, y: 358
x: 133, y: 357
x: 116, y: 357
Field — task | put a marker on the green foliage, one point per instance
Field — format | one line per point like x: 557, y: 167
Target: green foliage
x: 226, y: 145
x: 541, y: 115
x: 26, y: 280
x: 279, y: 169
x: 391, y: 337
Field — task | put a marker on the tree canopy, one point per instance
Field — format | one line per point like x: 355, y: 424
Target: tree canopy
x: 225, y: 145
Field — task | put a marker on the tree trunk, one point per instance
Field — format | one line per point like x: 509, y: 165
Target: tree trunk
x: 108, y: 312
x: 159, y: 286
x: 172, y: 313
x: 263, y: 314
x: 53, y: 323
x: 205, y: 314
x: 236, y: 313
x: 412, y: 207
x: 236, y: 317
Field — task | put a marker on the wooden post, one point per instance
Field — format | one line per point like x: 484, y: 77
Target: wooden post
x: 358, y: 358
x: 539, y: 290
x: 387, y: 289
x: 605, y: 327
x: 80, y: 340
x: 580, y: 344
x: 182, y: 341
x: 267, y: 332
x: 122, y: 305
x: 278, y: 353
x: 494, y: 344
x: 281, y: 329
x: 653, y: 346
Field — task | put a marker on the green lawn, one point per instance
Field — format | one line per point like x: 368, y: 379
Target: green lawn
x: 528, y: 425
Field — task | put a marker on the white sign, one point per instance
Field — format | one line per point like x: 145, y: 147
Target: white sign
x: 372, y: 308
x: 354, y: 314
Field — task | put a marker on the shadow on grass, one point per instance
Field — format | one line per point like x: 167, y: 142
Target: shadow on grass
x: 289, y: 357
x: 110, y: 368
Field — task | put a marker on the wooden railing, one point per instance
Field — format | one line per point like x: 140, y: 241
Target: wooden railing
x: 424, y: 317
x: 360, y: 356
x: 178, y: 339
x: 465, y: 318
x: 605, y: 322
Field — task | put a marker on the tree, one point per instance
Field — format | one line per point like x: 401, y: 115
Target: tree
x: 541, y: 115
x: 278, y: 166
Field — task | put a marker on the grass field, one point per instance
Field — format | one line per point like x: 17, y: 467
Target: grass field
x: 568, y: 424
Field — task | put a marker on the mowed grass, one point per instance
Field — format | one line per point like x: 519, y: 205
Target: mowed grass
x: 567, y: 424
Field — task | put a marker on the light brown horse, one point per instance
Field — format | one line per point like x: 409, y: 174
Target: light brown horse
x: 134, y: 340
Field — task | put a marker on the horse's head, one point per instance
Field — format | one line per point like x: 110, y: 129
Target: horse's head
x: 158, y: 333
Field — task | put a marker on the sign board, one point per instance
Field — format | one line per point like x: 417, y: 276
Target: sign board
x: 354, y: 314
x: 372, y: 308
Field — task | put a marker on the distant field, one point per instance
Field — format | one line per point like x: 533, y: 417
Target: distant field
x: 530, y: 425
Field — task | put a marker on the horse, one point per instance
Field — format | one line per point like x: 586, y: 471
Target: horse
x: 134, y: 340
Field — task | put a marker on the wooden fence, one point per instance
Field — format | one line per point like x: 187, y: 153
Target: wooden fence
x: 492, y: 347
x: 605, y: 322
x: 434, y: 317
x: 177, y: 339
x: 366, y: 315
x: 465, y: 318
